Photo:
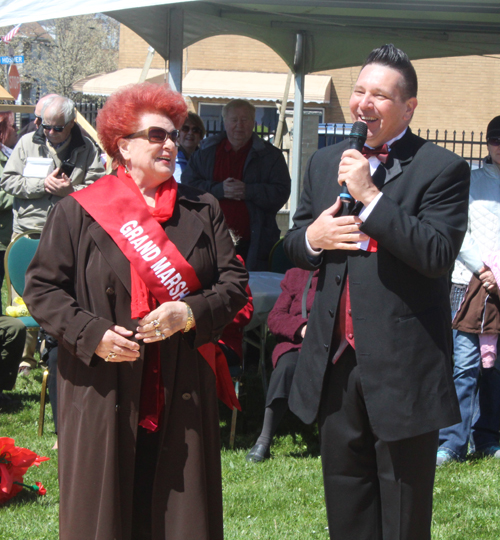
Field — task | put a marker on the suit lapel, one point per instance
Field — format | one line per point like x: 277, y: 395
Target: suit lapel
x: 401, y: 155
x: 393, y: 169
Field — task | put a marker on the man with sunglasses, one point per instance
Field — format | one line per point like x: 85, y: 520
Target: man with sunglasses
x: 45, y: 166
x: 476, y: 311
x: 43, y: 101
x: 69, y: 162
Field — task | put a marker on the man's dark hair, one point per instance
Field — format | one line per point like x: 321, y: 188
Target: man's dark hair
x: 390, y: 56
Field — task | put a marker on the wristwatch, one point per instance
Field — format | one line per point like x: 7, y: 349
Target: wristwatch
x: 190, y: 319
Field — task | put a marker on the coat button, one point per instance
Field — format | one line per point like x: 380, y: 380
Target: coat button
x: 325, y: 346
x: 349, y: 312
x: 350, y: 336
x: 186, y: 396
x: 110, y: 291
x: 338, y: 280
x: 331, y: 312
x: 117, y: 408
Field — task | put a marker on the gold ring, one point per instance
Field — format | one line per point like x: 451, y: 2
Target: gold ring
x: 158, y: 333
x: 155, y: 323
x: 110, y: 356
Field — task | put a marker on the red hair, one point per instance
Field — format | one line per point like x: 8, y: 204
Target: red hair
x: 121, y: 113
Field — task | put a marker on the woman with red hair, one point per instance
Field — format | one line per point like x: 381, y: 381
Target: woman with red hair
x: 136, y: 277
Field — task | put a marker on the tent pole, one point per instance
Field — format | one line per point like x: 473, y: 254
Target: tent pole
x: 147, y: 64
x: 175, y: 48
x: 298, y: 111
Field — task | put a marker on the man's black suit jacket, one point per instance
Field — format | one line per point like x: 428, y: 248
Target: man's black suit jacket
x: 399, y: 294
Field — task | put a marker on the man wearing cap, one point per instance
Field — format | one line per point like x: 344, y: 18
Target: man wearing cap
x: 375, y: 366
x: 476, y: 323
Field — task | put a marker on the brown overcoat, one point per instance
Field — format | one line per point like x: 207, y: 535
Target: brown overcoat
x: 78, y: 286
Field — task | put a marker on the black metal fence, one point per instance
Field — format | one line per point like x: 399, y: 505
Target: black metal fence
x: 470, y: 146
x: 264, y: 132
x: 89, y: 110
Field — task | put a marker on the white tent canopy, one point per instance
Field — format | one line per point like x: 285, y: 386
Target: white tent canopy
x: 338, y: 32
x: 309, y: 35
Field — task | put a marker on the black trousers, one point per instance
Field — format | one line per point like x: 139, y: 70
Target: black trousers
x: 12, y: 338
x: 374, y: 490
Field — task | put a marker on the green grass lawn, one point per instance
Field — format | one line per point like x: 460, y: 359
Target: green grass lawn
x: 275, y: 500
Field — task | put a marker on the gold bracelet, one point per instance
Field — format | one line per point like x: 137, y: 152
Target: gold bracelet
x: 190, y: 319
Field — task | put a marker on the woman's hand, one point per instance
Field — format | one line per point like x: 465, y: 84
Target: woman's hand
x: 488, y: 279
x: 114, y: 347
x: 169, y: 318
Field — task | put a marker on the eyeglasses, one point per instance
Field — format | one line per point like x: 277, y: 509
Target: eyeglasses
x: 494, y: 141
x: 196, y: 130
x: 156, y: 135
x: 57, y: 129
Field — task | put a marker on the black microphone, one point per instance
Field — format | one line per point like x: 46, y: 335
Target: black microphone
x: 357, y: 139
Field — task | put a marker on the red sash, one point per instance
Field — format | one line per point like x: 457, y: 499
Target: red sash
x: 156, y: 259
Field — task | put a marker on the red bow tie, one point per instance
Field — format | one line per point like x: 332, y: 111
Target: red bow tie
x: 381, y: 152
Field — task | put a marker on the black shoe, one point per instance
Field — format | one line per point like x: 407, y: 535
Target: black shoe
x: 258, y: 453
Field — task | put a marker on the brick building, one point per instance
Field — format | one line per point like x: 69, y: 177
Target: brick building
x: 455, y: 94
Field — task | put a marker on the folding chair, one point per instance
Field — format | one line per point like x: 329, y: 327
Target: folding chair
x: 236, y: 375
x: 17, y: 259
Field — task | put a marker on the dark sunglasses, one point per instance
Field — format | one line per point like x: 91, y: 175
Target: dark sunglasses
x: 194, y: 129
x: 156, y: 135
x: 57, y: 129
x: 494, y: 141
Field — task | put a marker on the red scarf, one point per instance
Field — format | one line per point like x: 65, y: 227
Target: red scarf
x: 152, y: 389
x: 95, y: 199
x: 142, y: 300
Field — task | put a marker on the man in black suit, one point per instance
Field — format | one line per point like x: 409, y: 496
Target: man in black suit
x: 375, y: 367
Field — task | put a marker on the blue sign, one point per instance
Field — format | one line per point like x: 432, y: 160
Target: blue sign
x: 12, y: 59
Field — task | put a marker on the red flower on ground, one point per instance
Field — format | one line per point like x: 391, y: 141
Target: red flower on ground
x: 14, y: 462
x: 41, y: 489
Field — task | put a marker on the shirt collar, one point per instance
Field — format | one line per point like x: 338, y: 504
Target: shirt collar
x: 392, y: 141
x: 229, y: 148
x: 6, y: 150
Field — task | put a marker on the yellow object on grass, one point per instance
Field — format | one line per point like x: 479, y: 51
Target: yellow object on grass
x: 18, y: 311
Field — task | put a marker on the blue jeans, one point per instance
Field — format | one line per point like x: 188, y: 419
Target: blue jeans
x: 478, y: 392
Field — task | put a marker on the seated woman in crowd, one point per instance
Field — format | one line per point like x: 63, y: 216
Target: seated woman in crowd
x: 136, y: 277
x: 288, y: 322
x: 190, y: 136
